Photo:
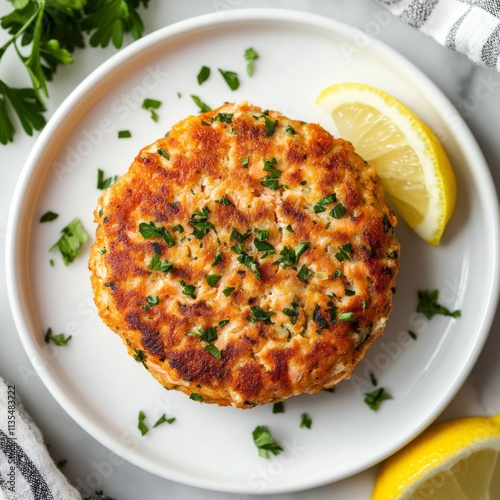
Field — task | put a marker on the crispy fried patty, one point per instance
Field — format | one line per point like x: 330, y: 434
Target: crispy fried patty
x: 246, y: 257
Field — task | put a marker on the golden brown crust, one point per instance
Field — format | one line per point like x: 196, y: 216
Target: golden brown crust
x: 351, y: 262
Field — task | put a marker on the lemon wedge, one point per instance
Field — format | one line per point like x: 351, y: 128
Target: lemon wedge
x: 458, y: 460
x: 407, y: 156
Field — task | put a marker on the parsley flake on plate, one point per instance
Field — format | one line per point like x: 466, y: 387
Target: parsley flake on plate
x: 305, y: 421
x: 59, y: 339
x: 48, y: 216
x: 141, y: 425
x: 428, y: 305
x: 103, y: 183
x: 250, y: 56
x: 204, y: 108
x: 163, y: 419
x: 375, y: 398
x: 152, y: 105
x: 265, y: 442
x: 203, y: 74
x: 231, y: 78
x: 72, y: 239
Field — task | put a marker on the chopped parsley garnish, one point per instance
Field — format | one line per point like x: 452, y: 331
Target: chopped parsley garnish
x: 163, y: 419
x: 246, y: 260
x: 203, y: 75
x: 343, y: 253
x: 264, y: 442
x: 224, y: 117
x: 374, y: 399
x: 218, y: 258
x: 199, y: 220
x: 72, y: 239
x: 373, y: 379
x: 239, y: 237
x: 208, y: 335
x: 141, y: 425
x: 250, y: 56
x: 291, y: 131
x: 264, y: 246
x: 124, y: 134
x: 244, y: 162
x: 428, y: 305
x: 216, y: 353
x: 337, y: 273
x: 196, y: 397
x: 271, y: 180
x: 228, y: 291
x: 212, y: 279
x: 224, y: 322
x: 48, y: 216
x: 303, y: 273
x: 293, y: 314
x: 139, y: 357
x: 59, y: 339
x: 189, y: 290
x: 326, y: 200
x: 223, y: 201
x: 160, y: 265
x: 263, y: 234
x: 103, y: 183
x: 350, y: 293
x: 178, y: 228
x: 364, y: 304
x: 258, y: 314
x: 206, y: 124
x: 320, y: 321
x: 279, y: 407
x: 305, y: 421
x: 204, y: 108
x: 412, y: 334
x: 338, y: 211
x: 231, y: 78
x: 270, y: 126
x: 289, y: 228
x: 152, y: 300
x: 152, y: 105
x: 102, y: 251
x: 151, y: 231
x: 347, y: 316
x: 163, y: 153
x: 289, y: 256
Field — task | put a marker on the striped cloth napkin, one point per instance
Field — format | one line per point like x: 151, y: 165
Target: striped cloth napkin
x: 471, y: 27
x: 27, y: 472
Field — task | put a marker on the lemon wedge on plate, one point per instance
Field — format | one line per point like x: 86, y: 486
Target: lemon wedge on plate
x: 455, y: 460
x: 408, y: 157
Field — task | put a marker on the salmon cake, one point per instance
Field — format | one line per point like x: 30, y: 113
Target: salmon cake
x: 246, y: 257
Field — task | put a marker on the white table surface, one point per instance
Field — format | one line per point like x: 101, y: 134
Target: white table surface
x: 474, y: 91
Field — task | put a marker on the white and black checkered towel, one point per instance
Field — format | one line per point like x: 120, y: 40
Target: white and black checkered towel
x: 471, y: 27
x: 27, y: 472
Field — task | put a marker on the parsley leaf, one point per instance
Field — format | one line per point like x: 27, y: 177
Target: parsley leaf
x: 258, y: 314
x: 250, y: 56
x: 212, y: 279
x: 48, y: 216
x: 239, y: 237
x: 164, y: 419
x: 141, y: 425
x: 228, y: 291
x: 196, y: 397
x: 160, y: 265
x: 199, y: 220
x: 374, y: 399
x: 264, y: 442
x: 305, y: 421
x: 151, y: 231
x: 204, y: 108
x: 231, y: 78
x: 152, y: 105
x: 189, y: 290
x: 279, y: 407
x: 203, y: 74
x: 103, y: 183
x: 216, y: 353
x: 326, y: 200
x: 59, y: 339
x: 72, y: 239
x: 428, y: 305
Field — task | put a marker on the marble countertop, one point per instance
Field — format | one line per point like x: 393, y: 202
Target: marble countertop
x: 473, y: 90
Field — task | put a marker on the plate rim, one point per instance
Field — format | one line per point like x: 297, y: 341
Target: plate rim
x: 192, y: 25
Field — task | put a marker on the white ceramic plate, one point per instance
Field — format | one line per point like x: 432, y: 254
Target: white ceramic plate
x: 103, y: 389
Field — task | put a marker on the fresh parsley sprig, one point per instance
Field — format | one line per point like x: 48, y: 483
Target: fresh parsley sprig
x: 44, y: 34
